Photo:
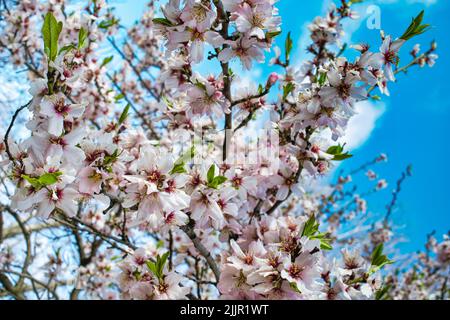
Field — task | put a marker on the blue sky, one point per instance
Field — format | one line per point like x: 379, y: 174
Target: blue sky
x: 411, y: 125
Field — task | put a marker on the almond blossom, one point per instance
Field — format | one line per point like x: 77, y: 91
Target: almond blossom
x: 142, y: 176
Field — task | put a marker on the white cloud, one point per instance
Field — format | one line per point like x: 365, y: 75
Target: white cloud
x: 361, y: 126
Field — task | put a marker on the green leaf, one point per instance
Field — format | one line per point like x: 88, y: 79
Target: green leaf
x: 294, y: 287
x: 152, y: 267
x: 119, y: 97
x: 338, y: 152
x: 287, y: 89
x: 322, y: 78
x: 382, y: 293
x: 179, y: 165
x: 288, y: 46
x: 217, y: 181
x: 188, y: 155
x: 200, y: 85
x: 343, y: 156
x: 273, y: 34
x: 47, y: 179
x: 33, y: 181
x: 161, y: 261
x: 51, y: 29
x: 311, y: 230
x: 157, y: 268
x: 178, y: 168
x: 375, y: 97
x: 334, y: 150
x: 260, y: 89
x: 379, y: 260
x: 106, y: 61
x: 67, y: 48
x: 311, y: 227
x: 211, y: 173
x: 124, y: 114
x: 108, y: 23
x: 325, y: 242
x: 82, y: 36
x: 109, y: 159
x: 160, y: 244
x: 163, y: 21
x: 416, y: 27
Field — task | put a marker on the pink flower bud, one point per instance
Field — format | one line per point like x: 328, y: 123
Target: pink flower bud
x: 315, y: 148
x: 217, y: 95
x: 273, y: 78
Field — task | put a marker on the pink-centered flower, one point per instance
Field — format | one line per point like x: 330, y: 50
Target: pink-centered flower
x: 57, y: 110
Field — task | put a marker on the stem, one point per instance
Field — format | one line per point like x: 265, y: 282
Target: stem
x: 5, y: 139
x: 395, y: 193
x: 189, y: 230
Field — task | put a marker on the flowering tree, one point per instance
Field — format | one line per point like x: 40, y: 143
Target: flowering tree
x: 143, y: 177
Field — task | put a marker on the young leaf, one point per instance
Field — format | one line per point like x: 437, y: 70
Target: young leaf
x: 287, y: 89
x: 311, y: 227
x: 178, y: 168
x: 67, y: 48
x: 294, y: 287
x: 124, y: 114
x: 288, y: 46
x: 334, y: 150
x: 161, y: 261
x: 49, y: 178
x: 106, y: 61
x: 416, y: 27
x: 51, y: 29
x: 82, y: 36
x: 338, y: 152
x: 311, y: 230
x: 379, y: 260
x: 157, y: 268
x: 108, y: 23
x: 217, y: 181
x: 273, y: 34
x: 211, y: 173
x: 375, y: 97
x: 260, y: 89
x: 325, y: 243
x: 382, y: 294
x: 109, y: 159
x: 163, y: 21
x: 342, y: 156
x: 33, y: 181
x: 152, y: 267
x: 322, y: 78
x: 119, y: 97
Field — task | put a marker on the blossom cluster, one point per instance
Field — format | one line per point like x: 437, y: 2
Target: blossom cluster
x: 113, y: 155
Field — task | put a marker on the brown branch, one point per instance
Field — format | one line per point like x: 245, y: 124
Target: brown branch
x: 11, y: 124
x: 189, y: 230
x: 34, y: 280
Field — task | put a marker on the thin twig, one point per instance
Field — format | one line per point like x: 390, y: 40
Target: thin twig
x: 5, y: 139
x: 189, y: 230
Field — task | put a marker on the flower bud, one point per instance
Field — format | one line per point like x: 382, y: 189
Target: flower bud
x: 273, y: 78
x: 433, y: 45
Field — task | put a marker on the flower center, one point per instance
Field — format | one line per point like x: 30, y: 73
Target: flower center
x: 295, y: 271
x: 61, y: 107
